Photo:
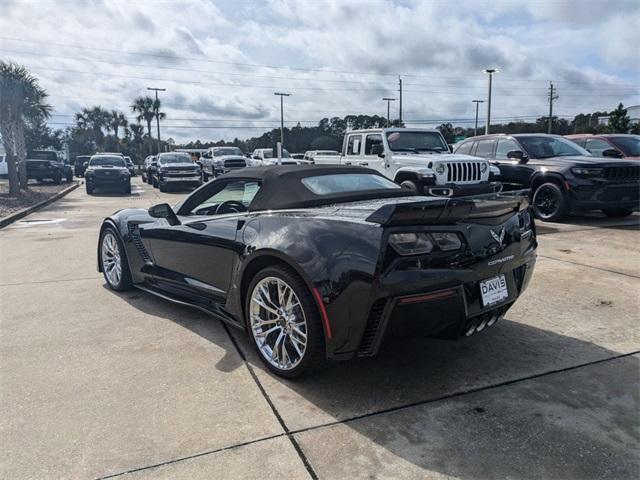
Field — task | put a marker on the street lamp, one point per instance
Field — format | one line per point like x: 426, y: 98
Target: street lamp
x: 477, y: 102
x: 157, y: 111
x: 490, y: 72
x: 282, y: 95
x: 388, y: 100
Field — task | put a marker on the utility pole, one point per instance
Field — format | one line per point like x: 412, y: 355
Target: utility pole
x: 400, y: 103
x: 388, y: 100
x: 477, y: 102
x: 552, y: 96
x: 282, y: 95
x: 490, y: 72
x: 157, y: 104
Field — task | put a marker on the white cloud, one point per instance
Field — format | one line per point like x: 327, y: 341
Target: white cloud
x: 199, y: 51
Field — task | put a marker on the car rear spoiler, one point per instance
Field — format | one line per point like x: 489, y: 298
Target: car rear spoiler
x: 451, y: 210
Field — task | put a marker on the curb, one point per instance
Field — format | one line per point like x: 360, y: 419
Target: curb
x: 26, y: 211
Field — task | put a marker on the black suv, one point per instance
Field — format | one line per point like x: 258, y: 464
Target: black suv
x: 562, y: 176
x: 45, y: 164
x: 107, y: 171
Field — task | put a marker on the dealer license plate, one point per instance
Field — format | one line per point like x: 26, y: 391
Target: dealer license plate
x: 494, y: 290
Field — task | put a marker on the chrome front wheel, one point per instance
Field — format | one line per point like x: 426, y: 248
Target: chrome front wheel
x: 278, y: 323
x: 111, y: 259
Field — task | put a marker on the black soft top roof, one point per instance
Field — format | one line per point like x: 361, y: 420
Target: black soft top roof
x: 282, y: 187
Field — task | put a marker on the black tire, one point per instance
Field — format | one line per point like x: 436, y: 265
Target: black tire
x: 69, y: 176
x: 154, y: 182
x: 162, y: 188
x: 549, y: 202
x: 127, y: 189
x: 89, y: 189
x: 617, y: 212
x: 205, y: 176
x: 57, y: 179
x: 314, y: 357
x: 125, y: 282
x: 410, y: 185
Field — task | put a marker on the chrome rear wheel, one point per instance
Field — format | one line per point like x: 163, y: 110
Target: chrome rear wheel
x: 278, y: 323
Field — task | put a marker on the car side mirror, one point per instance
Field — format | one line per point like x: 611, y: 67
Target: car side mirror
x: 611, y: 153
x: 164, y: 210
x: 518, y: 155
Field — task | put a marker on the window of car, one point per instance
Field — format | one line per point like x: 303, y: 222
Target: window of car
x: 579, y: 141
x: 353, y: 145
x: 505, y: 145
x: 220, y: 152
x: 416, y: 141
x: 370, y: 141
x: 485, y: 148
x: 350, y: 182
x: 106, y: 161
x: 629, y: 145
x: 166, y: 158
x: 465, y: 148
x: 42, y: 155
x: 547, y: 146
x: 596, y: 146
x: 237, y: 191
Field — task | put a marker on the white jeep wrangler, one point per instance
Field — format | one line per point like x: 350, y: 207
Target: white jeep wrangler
x: 418, y: 159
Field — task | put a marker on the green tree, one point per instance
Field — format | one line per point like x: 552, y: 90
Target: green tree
x: 447, y: 131
x: 144, y: 107
x: 116, y: 120
x: 94, y: 119
x: 22, y: 100
x: 619, y: 121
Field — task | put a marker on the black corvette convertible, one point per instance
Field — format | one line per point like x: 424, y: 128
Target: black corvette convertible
x: 321, y: 262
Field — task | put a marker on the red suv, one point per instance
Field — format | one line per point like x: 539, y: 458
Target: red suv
x: 615, y: 145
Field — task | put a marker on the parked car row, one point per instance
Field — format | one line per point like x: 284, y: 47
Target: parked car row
x: 562, y: 176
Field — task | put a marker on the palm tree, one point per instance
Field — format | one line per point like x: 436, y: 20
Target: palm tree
x: 117, y: 120
x: 22, y: 99
x: 94, y: 119
x: 159, y: 116
x: 144, y: 107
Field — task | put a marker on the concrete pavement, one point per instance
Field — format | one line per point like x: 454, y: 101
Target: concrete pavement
x: 97, y: 384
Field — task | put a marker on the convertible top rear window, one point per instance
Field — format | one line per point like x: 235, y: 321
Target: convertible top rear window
x: 351, y: 182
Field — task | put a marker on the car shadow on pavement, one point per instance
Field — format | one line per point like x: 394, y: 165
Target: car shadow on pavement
x: 454, y: 407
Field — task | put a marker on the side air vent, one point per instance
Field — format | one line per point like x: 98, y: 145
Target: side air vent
x: 134, y: 233
x: 369, y: 338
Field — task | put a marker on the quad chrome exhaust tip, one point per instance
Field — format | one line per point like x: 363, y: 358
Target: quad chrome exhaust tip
x: 483, y: 321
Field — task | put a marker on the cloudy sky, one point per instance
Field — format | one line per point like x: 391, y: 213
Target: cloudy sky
x: 221, y: 61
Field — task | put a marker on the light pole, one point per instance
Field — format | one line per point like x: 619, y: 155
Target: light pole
x: 282, y: 95
x: 477, y: 102
x: 388, y: 100
x: 490, y: 72
x: 157, y: 104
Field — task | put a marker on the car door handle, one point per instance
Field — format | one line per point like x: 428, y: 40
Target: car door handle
x: 347, y: 163
x: 365, y: 164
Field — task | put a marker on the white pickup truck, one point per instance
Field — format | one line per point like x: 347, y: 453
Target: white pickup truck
x: 418, y: 159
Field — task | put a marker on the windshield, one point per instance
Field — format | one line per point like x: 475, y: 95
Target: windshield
x: 105, y: 161
x: 327, y: 152
x: 269, y: 154
x: 416, y: 142
x: 174, y: 158
x: 350, y: 182
x: 549, y: 146
x: 220, y: 152
x: 630, y: 145
x: 40, y: 155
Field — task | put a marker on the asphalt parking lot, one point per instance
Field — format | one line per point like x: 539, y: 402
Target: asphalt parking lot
x: 95, y: 384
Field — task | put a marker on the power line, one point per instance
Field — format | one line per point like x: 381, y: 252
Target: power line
x: 256, y: 65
